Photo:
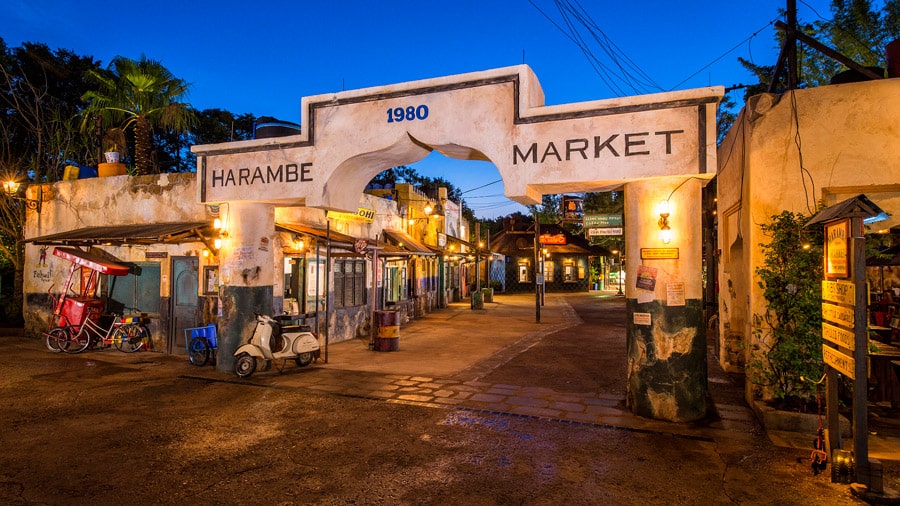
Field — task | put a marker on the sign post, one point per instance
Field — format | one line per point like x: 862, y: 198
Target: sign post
x: 844, y: 317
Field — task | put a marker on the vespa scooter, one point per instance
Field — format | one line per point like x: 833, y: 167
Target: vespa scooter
x: 273, y: 341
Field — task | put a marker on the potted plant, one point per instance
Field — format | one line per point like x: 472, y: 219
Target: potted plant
x: 113, y: 139
x: 114, y: 142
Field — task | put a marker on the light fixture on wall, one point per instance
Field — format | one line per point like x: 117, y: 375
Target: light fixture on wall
x: 665, y: 232
x: 17, y: 191
x: 222, y: 232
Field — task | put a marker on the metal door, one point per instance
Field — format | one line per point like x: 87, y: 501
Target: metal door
x: 185, y: 287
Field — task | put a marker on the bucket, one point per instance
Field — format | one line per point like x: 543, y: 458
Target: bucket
x: 387, y: 333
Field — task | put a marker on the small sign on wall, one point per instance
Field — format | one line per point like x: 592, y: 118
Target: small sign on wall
x: 641, y: 318
x: 675, y: 294
x: 646, y: 278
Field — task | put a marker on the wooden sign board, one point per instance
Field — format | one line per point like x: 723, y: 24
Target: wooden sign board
x: 838, y: 360
x: 838, y: 314
x: 842, y: 292
x: 839, y: 336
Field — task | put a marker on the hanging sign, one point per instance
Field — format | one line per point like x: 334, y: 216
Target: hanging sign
x: 602, y: 220
x: 557, y: 239
x: 595, y: 231
x: 837, y: 236
x: 363, y: 215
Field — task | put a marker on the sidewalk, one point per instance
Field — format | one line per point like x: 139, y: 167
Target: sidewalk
x: 443, y: 356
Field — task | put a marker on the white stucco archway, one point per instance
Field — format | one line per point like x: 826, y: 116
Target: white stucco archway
x: 649, y: 144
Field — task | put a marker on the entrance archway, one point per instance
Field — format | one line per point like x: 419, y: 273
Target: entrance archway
x: 658, y: 147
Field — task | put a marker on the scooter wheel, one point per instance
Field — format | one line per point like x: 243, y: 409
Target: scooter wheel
x: 304, y: 359
x: 244, y: 365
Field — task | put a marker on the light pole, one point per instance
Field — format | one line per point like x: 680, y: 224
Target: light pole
x: 619, y: 275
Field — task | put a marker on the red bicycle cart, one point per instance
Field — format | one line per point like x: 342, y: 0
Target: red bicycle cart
x: 73, y: 311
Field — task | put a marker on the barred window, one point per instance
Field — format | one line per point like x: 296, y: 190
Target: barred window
x: 349, y: 283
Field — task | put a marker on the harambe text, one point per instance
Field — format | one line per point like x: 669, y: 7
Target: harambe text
x: 288, y: 173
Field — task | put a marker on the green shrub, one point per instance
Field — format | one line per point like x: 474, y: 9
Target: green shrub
x: 789, y: 333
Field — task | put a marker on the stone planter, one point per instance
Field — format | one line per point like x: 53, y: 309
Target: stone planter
x: 790, y: 421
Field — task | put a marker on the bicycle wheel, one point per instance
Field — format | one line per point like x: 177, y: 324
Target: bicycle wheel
x: 54, y: 337
x: 76, y: 343
x: 198, y: 351
x: 128, y: 338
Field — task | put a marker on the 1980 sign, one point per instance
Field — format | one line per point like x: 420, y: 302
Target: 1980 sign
x: 409, y: 113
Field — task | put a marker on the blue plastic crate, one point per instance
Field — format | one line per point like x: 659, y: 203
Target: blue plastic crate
x: 209, y: 332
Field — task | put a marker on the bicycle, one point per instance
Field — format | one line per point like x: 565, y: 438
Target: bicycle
x: 124, y: 332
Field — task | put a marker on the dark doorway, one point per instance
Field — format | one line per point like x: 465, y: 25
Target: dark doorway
x: 185, y: 288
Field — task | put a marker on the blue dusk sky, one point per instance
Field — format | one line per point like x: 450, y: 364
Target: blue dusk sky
x: 263, y: 57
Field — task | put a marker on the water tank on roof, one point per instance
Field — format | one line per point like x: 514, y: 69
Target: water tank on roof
x: 267, y: 127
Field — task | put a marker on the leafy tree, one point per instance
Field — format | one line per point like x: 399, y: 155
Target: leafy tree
x: 790, y: 330
x: 39, y: 99
x: 549, y: 210
x: 856, y: 30
x: 139, y: 96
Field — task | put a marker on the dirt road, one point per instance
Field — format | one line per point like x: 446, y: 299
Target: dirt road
x: 108, y: 428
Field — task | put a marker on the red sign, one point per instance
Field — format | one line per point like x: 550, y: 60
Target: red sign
x: 360, y: 246
x: 558, y: 239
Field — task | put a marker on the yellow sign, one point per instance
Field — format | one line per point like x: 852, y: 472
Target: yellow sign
x: 836, y: 240
x: 842, y: 292
x: 363, y: 215
x: 659, y: 253
x: 838, y: 360
x: 838, y: 314
x: 839, y: 336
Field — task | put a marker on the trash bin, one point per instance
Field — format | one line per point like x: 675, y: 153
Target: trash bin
x: 488, y: 294
x: 387, y: 331
x: 477, y: 300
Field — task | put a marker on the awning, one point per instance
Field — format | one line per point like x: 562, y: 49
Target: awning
x: 336, y: 239
x: 143, y: 233
x: 405, y: 241
x: 92, y: 261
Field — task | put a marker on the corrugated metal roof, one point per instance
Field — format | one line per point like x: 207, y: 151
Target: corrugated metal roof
x: 337, y: 239
x: 406, y: 242
x: 143, y: 233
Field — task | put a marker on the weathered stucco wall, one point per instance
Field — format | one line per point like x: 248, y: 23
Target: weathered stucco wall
x: 788, y: 152
x: 102, y: 202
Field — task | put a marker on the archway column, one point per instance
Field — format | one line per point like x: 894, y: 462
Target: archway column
x: 246, y: 273
x: 667, y: 370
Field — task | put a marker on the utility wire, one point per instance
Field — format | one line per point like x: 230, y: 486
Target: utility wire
x: 723, y: 55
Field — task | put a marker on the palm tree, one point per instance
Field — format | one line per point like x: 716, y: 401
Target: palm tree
x: 139, y: 96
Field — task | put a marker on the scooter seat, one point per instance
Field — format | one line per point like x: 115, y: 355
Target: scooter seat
x: 295, y: 328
